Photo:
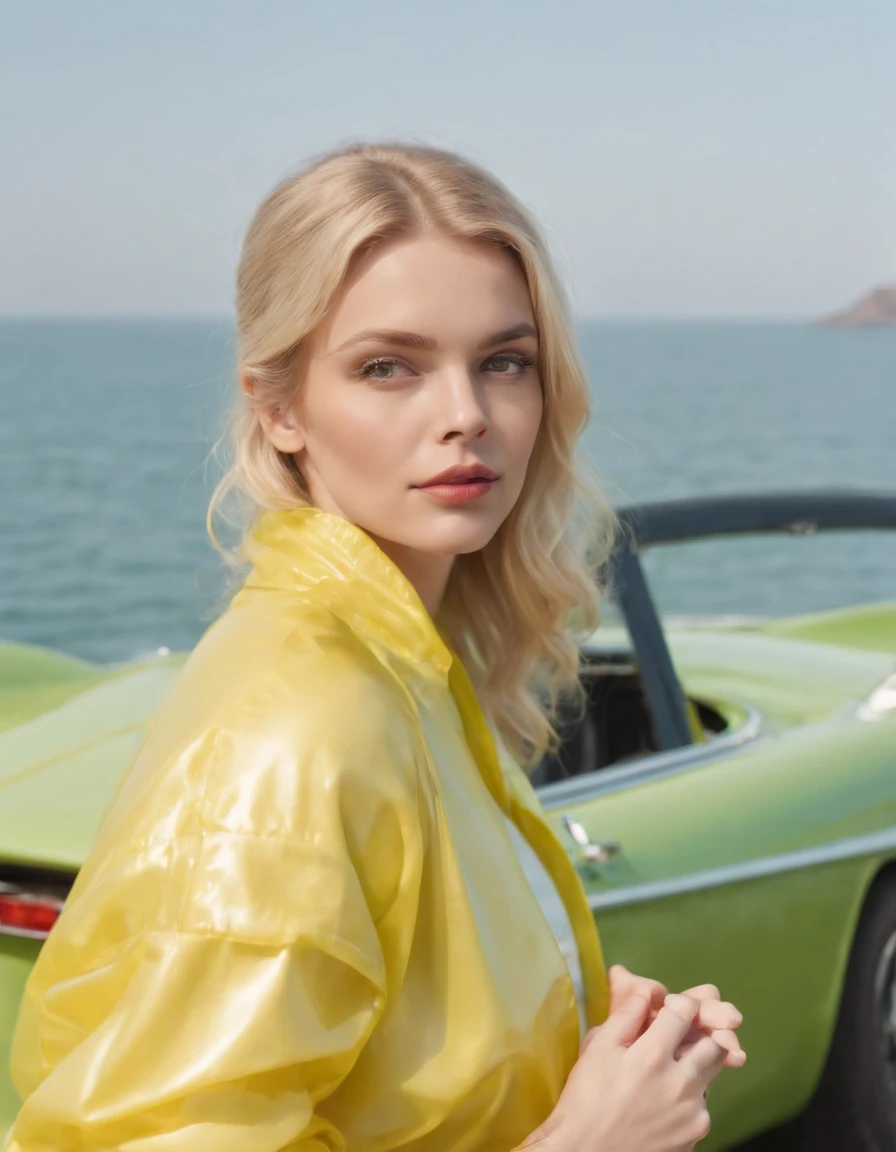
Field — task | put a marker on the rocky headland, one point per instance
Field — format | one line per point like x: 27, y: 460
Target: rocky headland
x: 876, y: 309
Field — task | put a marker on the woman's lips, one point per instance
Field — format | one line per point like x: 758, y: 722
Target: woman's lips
x: 459, y: 491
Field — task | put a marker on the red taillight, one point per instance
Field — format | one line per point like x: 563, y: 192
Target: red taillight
x: 23, y: 914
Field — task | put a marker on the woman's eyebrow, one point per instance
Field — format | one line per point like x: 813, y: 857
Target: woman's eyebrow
x: 389, y: 336
x: 414, y: 340
x: 514, y: 333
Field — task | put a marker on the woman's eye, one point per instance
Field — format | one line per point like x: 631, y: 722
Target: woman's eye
x: 507, y: 365
x: 382, y: 369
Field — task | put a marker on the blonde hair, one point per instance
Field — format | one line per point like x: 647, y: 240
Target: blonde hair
x: 510, y: 609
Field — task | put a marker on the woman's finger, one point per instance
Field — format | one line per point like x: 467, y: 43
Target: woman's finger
x: 705, y: 1060
x: 623, y: 983
x: 714, y: 1014
x: 735, y: 1056
x: 673, y: 1022
x: 625, y: 1024
x: 704, y: 992
x: 726, y: 1039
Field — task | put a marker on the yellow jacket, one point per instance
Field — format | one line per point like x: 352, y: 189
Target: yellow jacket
x: 303, y: 925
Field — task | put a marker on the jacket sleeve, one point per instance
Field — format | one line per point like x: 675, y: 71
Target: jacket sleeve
x: 217, y: 973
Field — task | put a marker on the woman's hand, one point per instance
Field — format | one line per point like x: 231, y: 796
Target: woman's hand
x: 715, y: 1017
x: 630, y: 1091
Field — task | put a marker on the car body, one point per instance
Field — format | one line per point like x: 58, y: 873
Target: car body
x: 728, y: 795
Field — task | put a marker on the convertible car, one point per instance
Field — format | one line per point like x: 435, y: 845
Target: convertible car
x: 728, y: 795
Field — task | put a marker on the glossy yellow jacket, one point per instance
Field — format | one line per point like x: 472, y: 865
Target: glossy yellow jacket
x: 303, y: 925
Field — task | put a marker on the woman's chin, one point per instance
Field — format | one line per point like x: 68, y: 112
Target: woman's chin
x: 460, y: 537
x: 442, y: 533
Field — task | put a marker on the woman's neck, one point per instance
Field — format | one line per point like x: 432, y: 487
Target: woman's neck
x: 426, y: 571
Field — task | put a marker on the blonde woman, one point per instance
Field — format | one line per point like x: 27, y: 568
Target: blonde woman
x: 304, y: 924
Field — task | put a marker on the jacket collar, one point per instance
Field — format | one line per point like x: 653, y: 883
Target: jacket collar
x: 322, y: 556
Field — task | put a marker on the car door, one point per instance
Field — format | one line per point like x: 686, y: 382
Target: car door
x: 700, y: 867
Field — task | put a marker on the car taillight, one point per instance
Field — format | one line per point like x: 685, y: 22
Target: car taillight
x: 27, y: 914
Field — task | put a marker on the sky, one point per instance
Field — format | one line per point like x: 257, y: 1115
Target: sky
x: 686, y: 158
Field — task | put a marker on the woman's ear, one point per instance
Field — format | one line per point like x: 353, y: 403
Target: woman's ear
x: 280, y: 423
x: 283, y: 429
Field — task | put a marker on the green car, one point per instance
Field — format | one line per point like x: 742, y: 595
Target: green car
x: 729, y: 796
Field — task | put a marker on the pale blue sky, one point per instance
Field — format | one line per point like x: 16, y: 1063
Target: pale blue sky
x: 687, y: 157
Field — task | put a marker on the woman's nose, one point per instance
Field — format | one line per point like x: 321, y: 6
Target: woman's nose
x: 463, y: 413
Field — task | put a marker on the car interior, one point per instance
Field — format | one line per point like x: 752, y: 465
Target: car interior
x: 614, y: 726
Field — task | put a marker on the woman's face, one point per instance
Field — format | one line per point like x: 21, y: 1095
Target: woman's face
x: 427, y: 362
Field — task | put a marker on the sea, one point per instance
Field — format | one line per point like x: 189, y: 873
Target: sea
x: 107, y: 459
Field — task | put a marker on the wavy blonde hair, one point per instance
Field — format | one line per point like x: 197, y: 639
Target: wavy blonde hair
x: 515, y: 609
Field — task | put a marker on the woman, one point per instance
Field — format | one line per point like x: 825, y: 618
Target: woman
x: 304, y: 924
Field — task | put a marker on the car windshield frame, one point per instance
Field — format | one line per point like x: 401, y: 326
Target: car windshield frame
x: 649, y: 525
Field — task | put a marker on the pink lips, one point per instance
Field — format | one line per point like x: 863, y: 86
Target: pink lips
x: 461, y: 484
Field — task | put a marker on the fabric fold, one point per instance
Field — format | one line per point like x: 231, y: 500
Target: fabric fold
x: 303, y: 925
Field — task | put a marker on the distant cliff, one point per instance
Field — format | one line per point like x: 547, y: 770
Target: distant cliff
x: 877, y: 308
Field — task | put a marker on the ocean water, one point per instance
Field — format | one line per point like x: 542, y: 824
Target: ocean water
x: 106, y: 431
